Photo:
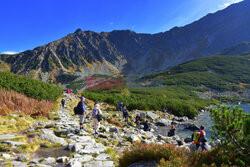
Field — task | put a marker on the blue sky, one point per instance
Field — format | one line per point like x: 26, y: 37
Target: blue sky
x: 26, y: 24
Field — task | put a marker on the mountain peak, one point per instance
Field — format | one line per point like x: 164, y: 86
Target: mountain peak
x: 78, y: 30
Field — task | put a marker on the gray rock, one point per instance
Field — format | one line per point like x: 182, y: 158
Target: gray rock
x: 50, y: 160
x: 191, y: 126
x: 74, y: 163
x: 85, y: 158
x: 176, y: 137
x: 6, y: 156
x: 63, y: 159
x: 93, y: 164
x: 152, y: 116
x: 13, y: 143
x: 133, y: 138
x: 163, y: 122
x: 102, y: 157
x: 53, y: 139
x: 23, y: 157
x: 108, y: 164
x: 142, y: 115
x: 76, y: 147
x: 188, y: 140
x: 161, y: 137
x: 4, y: 137
x: 92, y: 149
x: 114, y: 129
x: 149, y: 135
x: 18, y: 164
x: 47, y: 131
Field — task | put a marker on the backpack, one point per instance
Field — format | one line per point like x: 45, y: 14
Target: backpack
x: 96, y: 114
x: 197, y: 136
x: 76, y: 111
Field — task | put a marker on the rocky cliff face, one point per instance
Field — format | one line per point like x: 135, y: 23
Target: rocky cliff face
x: 84, y: 53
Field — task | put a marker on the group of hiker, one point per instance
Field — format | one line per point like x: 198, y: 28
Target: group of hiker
x: 198, y: 138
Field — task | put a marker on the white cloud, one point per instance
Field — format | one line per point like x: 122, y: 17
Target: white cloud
x: 9, y: 52
x: 230, y: 2
x: 111, y: 23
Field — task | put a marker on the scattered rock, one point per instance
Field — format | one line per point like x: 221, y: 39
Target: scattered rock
x: 74, y: 163
x: 114, y: 129
x: 102, y: 157
x: 152, y: 116
x: 133, y: 138
x: 188, y: 140
x: 53, y: 139
x: 23, y: 157
x: 6, y: 156
x: 163, y: 122
x: 93, y: 164
x: 191, y: 126
x: 63, y: 159
x: 50, y: 160
x: 13, y: 143
x: 5, y: 137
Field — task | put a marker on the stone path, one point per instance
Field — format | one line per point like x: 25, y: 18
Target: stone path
x: 86, y: 151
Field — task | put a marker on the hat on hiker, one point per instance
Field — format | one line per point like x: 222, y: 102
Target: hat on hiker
x: 97, y: 106
x: 82, y: 97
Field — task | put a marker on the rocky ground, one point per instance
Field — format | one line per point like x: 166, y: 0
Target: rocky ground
x: 75, y: 149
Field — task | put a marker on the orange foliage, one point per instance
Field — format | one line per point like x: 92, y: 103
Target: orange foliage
x: 113, y: 122
x: 16, y: 102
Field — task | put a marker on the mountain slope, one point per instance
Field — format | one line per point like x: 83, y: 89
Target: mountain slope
x: 220, y: 72
x: 84, y: 53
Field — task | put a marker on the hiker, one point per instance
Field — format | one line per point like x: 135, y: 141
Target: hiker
x: 125, y: 114
x: 146, y: 126
x: 165, y: 109
x: 81, y: 112
x: 137, y: 121
x: 120, y: 104
x: 63, y: 102
x: 171, y: 131
x: 96, y: 114
x: 199, y: 138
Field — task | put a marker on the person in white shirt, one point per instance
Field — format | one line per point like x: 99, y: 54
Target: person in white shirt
x: 96, y: 122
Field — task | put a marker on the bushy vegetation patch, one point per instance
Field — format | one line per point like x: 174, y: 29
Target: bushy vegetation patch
x: 180, y: 101
x: 29, y: 87
x: 11, y: 101
x: 153, y: 153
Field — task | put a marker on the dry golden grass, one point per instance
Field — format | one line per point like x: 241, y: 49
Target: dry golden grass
x: 18, y: 103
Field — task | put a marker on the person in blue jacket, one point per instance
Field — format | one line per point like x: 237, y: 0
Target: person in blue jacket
x: 82, y: 112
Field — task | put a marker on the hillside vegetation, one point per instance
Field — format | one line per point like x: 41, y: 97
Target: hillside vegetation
x: 222, y: 73
x: 29, y: 87
x: 180, y: 101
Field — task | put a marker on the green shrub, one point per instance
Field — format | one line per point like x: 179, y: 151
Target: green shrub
x: 29, y: 87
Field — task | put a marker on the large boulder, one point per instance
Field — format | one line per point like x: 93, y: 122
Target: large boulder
x: 188, y: 140
x: 191, y: 126
x: 53, y: 139
x: 152, y: 116
x: 180, y: 119
x: 163, y: 122
x: 133, y: 138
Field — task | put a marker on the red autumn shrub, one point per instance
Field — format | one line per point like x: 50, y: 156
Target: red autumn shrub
x: 18, y: 103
